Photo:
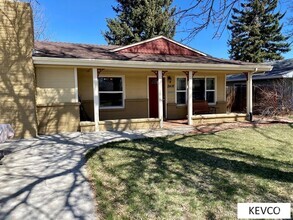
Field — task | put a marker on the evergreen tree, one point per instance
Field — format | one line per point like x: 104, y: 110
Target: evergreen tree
x: 139, y: 20
x: 256, y: 32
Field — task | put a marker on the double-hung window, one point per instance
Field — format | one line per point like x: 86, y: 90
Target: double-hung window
x: 181, y: 91
x: 202, y: 89
x: 210, y: 90
x: 111, y: 92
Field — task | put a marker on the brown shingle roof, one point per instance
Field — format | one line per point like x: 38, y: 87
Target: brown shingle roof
x: 88, y: 51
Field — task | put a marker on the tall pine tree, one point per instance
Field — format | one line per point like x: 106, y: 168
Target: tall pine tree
x: 256, y: 32
x: 139, y: 20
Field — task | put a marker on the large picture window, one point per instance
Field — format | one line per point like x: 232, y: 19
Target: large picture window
x: 181, y: 91
x: 111, y: 92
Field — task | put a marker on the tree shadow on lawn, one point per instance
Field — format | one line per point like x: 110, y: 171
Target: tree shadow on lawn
x: 154, y: 168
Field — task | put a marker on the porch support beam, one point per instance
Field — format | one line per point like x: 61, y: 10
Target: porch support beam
x: 160, y: 97
x: 76, y: 84
x: 190, y: 102
x: 96, y: 98
x: 249, y: 104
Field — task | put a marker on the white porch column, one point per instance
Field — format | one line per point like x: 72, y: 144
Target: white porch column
x: 190, y: 102
x: 249, y: 96
x: 96, y: 98
x: 76, y: 85
x: 160, y: 96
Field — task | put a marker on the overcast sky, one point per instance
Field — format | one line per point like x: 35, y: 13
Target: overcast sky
x: 83, y: 21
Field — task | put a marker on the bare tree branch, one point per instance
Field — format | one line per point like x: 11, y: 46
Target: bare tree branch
x: 202, y: 14
x: 40, y: 22
x: 275, y: 99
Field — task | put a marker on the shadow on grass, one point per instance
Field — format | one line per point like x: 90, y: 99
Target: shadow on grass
x: 156, y: 168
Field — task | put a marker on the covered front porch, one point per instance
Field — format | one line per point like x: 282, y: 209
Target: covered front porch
x: 144, y: 99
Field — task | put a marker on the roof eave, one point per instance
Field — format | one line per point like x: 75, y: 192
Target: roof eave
x: 259, y: 78
x: 148, y: 65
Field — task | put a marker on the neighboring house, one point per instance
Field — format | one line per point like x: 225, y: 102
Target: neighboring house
x: 279, y: 81
x: 130, y: 87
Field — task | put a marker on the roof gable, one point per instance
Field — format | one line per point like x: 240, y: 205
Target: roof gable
x: 159, y: 45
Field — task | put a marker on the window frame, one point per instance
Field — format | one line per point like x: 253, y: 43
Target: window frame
x: 211, y: 90
x: 186, y: 90
x: 113, y: 92
x: 205, y: 92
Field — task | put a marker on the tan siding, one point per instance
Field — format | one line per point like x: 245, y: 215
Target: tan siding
x: 176, y: 112
x: 221, y: 88
x: 17, y: 76
x: 136, y: 85
x: 54, y: 119
x: 85, y: 84
x: 171, y: 86
x: 55, y: 85
x: 135, y: 82
x: 134, y: 108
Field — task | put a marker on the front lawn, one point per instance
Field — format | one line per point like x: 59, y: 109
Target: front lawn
x: 194, y: 176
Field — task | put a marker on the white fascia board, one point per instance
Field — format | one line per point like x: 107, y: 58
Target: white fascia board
x: 289, y: 75
x: 148, y: 65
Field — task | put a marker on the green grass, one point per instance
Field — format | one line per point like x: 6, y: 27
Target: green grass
x: 195, y: 176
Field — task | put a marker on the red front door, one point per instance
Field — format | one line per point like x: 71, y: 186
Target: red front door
x: 154, y: 97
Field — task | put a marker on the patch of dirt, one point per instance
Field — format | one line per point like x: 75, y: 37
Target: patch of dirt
x: 258, y: 122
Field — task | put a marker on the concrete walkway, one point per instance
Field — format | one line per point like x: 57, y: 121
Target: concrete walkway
x: 45, y: 177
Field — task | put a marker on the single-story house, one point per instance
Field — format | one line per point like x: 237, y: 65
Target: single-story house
x: 51, y: 87
x: 280, y: 80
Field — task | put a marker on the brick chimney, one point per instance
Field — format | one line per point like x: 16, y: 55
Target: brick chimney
x: 17, y: 76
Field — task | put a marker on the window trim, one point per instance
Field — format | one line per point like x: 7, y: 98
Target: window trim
x: 180, y: 77
x: 198, y: 77
x: 211, y: 90
x: 114, y: 92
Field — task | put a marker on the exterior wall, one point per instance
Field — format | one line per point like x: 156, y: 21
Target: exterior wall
x: 175, y: 111
x: 58, y: 118
x: 85, y: 84
x: 17, y: 77
x: 57, y: 106
x: 135, y: 94
x: 55, y: 85
x: 134, y: 108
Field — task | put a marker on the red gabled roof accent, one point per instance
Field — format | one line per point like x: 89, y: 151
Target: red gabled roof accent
x: 159, y: 45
